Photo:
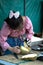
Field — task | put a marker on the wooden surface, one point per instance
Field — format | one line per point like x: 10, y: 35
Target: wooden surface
x: 11, y: 58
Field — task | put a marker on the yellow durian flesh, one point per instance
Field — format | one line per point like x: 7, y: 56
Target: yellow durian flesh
x: 29, y: 57
x: 24, y: 50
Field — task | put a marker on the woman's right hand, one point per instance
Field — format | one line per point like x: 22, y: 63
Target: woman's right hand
x: 15, y: 49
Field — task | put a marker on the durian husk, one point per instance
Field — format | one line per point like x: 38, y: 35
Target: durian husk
x: 31, y: 57
x: 25, y: 50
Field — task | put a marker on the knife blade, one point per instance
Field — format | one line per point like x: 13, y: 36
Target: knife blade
x: 16, y: 56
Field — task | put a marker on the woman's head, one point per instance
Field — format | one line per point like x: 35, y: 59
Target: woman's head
x: 14, y: 20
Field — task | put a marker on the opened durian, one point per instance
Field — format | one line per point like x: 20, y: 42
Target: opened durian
x: 25, y: 50
x: 29, y: 57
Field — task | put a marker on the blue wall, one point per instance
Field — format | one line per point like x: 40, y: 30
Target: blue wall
x: 32, y: 9
x: 7, y: 5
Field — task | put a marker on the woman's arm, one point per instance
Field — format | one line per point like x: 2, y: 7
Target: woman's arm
x: 5, y: 31
x: 29, y: 28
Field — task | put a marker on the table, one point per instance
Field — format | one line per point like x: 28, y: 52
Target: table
x: 12, y: 59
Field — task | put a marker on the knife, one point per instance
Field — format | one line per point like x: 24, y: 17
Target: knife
x: 16, y: 56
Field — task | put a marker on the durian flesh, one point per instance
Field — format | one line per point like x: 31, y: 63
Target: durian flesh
x: 29, y: 57
x: 25, y: 50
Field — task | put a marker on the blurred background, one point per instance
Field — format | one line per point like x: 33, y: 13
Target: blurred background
x: 31, y: 8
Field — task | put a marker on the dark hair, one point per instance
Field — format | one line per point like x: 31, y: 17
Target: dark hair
x: 13, y: 22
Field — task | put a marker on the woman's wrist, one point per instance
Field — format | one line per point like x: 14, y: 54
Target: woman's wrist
x: 10, y: 49
x: 14, y: 49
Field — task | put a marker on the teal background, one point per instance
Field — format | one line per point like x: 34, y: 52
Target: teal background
x: 32, y: 9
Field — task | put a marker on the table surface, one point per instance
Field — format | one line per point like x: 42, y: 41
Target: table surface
x: 12, y: 59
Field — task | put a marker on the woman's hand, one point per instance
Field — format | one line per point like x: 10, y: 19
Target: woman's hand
x: 15, y: 49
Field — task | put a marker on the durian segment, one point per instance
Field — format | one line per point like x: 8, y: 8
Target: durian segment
x: 25, y: 50
x: 27, y: 44
x: 29, y: 57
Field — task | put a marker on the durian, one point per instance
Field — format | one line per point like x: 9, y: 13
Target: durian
x: 25, y: 50
x: 29, y: 57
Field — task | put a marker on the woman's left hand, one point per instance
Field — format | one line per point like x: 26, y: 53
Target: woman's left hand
x: 16, y: 49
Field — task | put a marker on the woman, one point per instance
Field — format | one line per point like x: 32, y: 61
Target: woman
x: 14, y: 27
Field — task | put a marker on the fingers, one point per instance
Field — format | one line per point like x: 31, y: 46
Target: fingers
x: 16, y: 49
